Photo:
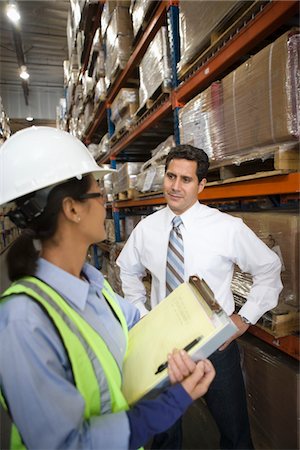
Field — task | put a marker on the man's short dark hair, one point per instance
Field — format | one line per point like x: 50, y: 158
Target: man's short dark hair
x: 190, y: 153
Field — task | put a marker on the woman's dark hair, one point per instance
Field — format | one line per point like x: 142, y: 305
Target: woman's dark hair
x: 22, y: 255
x: 191, y: 154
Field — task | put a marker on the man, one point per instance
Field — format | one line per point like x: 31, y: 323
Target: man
x: 212, y: 243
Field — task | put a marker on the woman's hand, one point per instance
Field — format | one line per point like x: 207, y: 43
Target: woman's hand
x: 194, y: 377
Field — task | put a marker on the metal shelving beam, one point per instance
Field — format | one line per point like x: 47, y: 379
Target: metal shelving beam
x: 261, y: 26
x: 287, y: 344
x: 276, y: 185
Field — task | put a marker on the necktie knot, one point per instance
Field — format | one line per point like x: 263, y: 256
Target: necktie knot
x: 176, y: 222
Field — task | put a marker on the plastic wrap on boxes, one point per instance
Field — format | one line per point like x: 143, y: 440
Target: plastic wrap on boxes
x: 99, y: 67
x: 100, y: 91
x: 108, y: 186
x: 159, y: 154
x: 123, y: 108
x: 126, y: 177
x: 272, y: 383
x: 119, y: 38
x: 138, y: 10
x: 87, y: 85
x: 93, y: 149
x: 197, y: 20
x: 201, y: 121
x: 280, y: 231
x: 151, y: 179
x: 97, y: 47
x: 108, y: 8
x: 261, y: 99
x: 155, y: 67
x: 104, y: 146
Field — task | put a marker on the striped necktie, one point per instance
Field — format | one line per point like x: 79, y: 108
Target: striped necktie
x: 175, y: 257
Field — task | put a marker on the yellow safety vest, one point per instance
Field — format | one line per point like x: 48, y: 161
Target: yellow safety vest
x: 77, y: 336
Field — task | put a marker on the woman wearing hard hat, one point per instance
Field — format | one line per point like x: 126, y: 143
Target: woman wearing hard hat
x: 62, y: 328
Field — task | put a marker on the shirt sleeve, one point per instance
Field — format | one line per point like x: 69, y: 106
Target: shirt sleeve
x: 256, y: 258
x: 132, y: 272
x: 149, y: 417
x: 37, y: 383
x: 131, y: 312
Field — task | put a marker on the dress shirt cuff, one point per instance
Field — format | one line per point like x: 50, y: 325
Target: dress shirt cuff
x: 150, y: 417
x: 141, y: 307
x: 251, y: 312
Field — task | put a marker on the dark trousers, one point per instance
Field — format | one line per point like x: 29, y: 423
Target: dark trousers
x: 226, y: 400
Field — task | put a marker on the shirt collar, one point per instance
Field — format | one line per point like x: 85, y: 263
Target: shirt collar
x: 187, y: 216
x: 73, y: 289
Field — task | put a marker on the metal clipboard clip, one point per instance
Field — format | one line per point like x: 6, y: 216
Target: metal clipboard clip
x: 205, y: 291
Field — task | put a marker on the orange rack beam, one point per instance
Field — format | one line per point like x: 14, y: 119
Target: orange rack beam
x: 278, y: 184
x: 287, y: 344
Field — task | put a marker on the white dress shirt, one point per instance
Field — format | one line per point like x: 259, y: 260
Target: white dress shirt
x: 213, y: 243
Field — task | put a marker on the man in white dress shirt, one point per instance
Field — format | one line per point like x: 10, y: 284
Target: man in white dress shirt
x: 213, y: 243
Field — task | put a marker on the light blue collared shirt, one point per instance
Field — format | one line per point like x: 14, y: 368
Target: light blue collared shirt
x: 35, y: 374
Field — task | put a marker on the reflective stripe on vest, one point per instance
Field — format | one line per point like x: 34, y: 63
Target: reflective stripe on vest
x: 87, y: 351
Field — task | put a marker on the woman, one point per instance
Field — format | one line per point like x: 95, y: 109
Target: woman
x: 62, y: 328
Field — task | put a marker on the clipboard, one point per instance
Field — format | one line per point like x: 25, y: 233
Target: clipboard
x: 190, y: 317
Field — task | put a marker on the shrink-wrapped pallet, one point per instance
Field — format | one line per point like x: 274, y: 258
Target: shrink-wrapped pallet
x: 159, y: 153
x: 197, y: 21
x: 151, y: 180
x: 261, y: 99
x: 124, y: 107
x: 119, y: 38
x: 126, y: 177
x: 155, y: 67
x: 138, y: 11
x: 152, y: 172
x: 100, y: 91
x: 272, y: 383
x: 201, y: 121
x: 280, y: 231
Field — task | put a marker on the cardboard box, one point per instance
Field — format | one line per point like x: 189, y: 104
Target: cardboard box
x: 261, y: 99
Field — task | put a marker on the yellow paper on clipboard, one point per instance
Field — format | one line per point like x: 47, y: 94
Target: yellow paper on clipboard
x: 177, y: 321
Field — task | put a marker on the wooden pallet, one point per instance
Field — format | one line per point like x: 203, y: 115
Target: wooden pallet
x: 156, y: 98
x: 280, y: 324
x: 130, y: 194
x: 120, y: 133
x: 269, y: 161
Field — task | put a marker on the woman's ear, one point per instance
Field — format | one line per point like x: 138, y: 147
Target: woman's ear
x: 70, y: 209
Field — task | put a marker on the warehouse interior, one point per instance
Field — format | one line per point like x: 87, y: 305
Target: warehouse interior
x: 133, y: 78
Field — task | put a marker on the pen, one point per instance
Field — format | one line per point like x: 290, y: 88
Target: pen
x: 186, y: 348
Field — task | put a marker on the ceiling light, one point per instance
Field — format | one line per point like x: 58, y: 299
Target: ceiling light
x: 29, y: 119
x: 12, y: 13
x: 23, y: 73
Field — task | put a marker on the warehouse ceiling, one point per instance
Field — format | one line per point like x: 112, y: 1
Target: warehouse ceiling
x: 40, y: 42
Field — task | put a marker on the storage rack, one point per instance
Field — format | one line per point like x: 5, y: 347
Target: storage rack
x: 256, y: 24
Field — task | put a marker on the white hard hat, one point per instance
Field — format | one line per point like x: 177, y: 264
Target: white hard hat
x: 38, y: 157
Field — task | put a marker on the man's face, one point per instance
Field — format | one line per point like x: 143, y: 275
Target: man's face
x: 181, y: 185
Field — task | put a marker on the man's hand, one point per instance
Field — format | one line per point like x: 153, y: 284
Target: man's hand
x: 194, y: 377
x: 242, y: 327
